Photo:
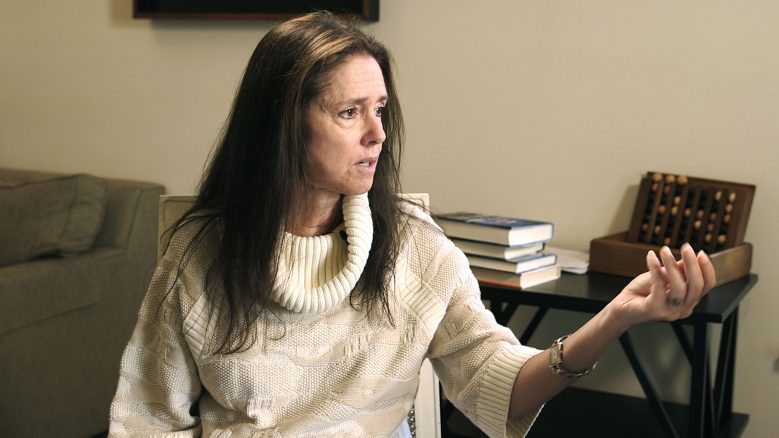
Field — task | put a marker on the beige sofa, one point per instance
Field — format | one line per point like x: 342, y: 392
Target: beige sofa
x: 66, y: 315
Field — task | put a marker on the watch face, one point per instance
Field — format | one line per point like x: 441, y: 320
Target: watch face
x: 555, y: 355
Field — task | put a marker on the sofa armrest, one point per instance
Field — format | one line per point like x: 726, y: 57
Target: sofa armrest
x: 127, y: 201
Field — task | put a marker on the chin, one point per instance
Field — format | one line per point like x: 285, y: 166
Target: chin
x: 357, y: 191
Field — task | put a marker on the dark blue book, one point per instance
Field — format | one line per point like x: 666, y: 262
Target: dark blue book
x: 509, y: 231
x: 496, y: 251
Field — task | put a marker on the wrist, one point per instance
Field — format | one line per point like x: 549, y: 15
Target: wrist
x: 614, y: 321
x: 556, y: 358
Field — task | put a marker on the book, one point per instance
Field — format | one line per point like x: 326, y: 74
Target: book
x: 509, y: 231
x: 517, y: 281
x: 515, y: 266
x: 497, y: 251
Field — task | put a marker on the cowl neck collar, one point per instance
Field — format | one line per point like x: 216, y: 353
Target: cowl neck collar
x: 315, y: 274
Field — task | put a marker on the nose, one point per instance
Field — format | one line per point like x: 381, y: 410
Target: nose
x: 374, y: 131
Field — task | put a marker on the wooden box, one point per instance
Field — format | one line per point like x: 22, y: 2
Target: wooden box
x: 615, y: 255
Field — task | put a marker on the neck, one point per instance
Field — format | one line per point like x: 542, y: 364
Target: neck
x: 317, y: 215
x: 316, y: 273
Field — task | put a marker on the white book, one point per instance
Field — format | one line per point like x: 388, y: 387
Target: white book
x: 517, y: 281
x: 515, y: 266
x: 497, y: 251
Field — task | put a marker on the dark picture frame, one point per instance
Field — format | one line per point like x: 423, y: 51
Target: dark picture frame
x: 367, y: 10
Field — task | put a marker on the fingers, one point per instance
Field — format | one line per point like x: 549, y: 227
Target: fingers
x: 659, y: 282
x: 707, y: 270
x: 677, y: 286
x: 692, y: 271
x: 677, y: 292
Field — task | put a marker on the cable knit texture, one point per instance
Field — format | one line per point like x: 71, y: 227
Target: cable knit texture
x: 317, y: 273
x: 319, y: 367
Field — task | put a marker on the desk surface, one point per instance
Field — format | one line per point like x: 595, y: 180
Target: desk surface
x: 592, y: 291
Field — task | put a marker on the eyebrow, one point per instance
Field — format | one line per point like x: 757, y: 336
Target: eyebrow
x: 360, y: 100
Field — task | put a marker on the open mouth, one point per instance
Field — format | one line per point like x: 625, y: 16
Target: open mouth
x: 366, y: 163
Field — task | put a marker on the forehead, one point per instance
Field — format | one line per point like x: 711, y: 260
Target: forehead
x: 358, y: 77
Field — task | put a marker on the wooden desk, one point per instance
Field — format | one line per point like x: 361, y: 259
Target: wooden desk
x: 709, y: 412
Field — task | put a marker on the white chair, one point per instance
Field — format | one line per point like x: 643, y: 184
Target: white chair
x: 425, y: 416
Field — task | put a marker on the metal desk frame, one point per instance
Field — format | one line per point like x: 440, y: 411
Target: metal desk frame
x: 711, y: 406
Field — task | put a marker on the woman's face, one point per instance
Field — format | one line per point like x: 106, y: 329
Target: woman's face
x: 344, y: 133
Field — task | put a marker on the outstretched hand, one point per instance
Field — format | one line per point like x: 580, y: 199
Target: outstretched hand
x: 666, y: 292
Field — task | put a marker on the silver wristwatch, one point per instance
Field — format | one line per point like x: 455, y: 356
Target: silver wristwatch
x: 556, y: 361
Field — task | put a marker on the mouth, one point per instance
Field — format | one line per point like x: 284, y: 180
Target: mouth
x: 367, y: 163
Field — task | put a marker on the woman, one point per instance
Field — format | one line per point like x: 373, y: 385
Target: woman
x: 299, y: 296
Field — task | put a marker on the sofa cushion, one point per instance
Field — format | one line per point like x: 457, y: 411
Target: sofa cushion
x: 49, y: 217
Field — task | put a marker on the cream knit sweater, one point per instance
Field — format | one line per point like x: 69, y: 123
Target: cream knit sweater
x: 319, y: 367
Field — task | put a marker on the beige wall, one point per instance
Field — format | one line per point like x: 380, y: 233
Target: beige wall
x: 544, y: 109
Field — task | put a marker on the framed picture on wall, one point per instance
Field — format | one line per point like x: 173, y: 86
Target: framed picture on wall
x: 251, y: 9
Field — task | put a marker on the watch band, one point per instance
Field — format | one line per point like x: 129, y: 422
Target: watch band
x: 556, y: 361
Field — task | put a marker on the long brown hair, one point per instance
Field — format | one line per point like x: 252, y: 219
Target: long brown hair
x: 256, y: 173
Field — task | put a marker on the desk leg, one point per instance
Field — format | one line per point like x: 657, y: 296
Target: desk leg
x: 700, y: 397
x: 533, y: 325
x: 502, y: 315
x: 726, y: 364
x: 649, y: 389
x: 684, y: 341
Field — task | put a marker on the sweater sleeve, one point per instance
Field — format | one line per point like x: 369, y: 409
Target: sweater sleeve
x: 158, y: 380
x: 477, y: 359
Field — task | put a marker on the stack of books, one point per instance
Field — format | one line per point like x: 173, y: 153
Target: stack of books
x: 503, y: 250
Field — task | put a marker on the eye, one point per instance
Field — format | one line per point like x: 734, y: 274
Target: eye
x: 379, y: 111
x: 348, y: 113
